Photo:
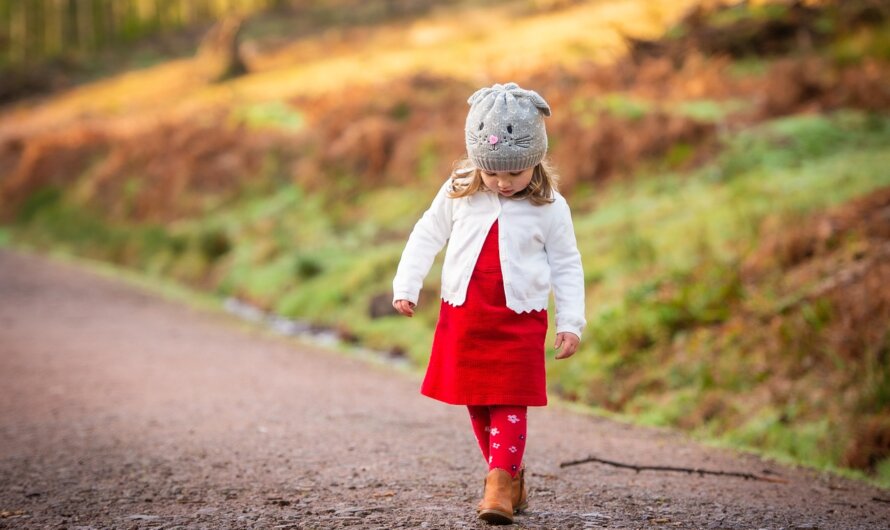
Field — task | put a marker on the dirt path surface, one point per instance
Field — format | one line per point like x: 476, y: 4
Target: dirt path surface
x: 119, y: 409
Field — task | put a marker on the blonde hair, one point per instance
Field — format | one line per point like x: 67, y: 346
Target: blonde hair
x: 466, y: 180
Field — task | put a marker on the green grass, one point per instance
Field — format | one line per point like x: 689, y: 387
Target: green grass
x: 665, y: 250
x: 270, y: 115
x: 631, y: 108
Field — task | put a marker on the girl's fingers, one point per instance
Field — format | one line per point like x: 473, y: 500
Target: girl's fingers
x: 566, y: 352
x: 569, y: 345
x: 559, y: 345
x: 404, y: 307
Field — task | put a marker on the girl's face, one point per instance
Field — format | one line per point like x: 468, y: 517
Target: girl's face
x: 507, y: 183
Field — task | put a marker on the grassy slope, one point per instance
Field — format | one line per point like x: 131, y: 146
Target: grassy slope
x: 692, y: 234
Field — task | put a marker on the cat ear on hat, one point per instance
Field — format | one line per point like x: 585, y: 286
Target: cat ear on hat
x: 479, y: 95
x: 538, y: 102
x: 534, y: 97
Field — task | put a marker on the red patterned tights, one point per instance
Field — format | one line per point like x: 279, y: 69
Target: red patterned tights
x: 500, y: 431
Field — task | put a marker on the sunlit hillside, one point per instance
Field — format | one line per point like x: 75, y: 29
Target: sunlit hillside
x: 475, y: 43
x: 726, y: 167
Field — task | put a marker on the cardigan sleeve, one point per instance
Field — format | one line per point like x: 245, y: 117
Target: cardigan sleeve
x: 566, y: 272
x: 426, y: 240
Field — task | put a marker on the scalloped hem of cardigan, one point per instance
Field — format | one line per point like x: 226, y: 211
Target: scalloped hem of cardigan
x: 523, y: 309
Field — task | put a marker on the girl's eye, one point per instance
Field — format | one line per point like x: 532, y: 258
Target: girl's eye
x: 516, y: 174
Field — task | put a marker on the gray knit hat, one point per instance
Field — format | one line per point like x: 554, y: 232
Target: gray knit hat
x: 505, y: 128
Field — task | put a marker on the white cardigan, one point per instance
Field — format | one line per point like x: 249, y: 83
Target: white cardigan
x: 537, y: 249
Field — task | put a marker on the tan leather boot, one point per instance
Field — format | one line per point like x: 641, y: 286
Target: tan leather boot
x: 519, y: 494
x: 497, y: 503
x: 519, y: 491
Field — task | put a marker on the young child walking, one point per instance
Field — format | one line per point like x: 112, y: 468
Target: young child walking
x: 510, y: 240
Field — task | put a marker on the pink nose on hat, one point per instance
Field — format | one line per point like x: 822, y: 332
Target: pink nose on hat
x: 492, y: 139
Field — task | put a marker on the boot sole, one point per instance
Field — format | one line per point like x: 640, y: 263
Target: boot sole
x: 518, y: 509
x: 495, y: 517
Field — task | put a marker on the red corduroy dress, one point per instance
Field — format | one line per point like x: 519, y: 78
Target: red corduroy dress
x: 484, y: 353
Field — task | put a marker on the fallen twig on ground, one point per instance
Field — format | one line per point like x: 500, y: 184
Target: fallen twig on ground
x: 746, y: 476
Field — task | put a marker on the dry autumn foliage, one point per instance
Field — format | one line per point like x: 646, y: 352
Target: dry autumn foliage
x: 409, y: 129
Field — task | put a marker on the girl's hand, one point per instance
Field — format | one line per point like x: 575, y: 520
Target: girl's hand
x: 404, y: 307
x: 569, y: 343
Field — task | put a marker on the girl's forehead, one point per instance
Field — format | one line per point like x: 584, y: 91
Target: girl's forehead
x: 517, y: 172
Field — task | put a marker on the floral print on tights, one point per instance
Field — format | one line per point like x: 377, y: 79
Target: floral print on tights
x: 501, y: 433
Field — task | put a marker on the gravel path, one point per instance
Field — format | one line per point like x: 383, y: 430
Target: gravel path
x: 119, y: 409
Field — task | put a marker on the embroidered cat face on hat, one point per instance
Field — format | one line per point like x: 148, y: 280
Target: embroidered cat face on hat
x: 505, y: 128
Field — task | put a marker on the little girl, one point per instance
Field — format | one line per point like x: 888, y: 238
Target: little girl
x: 510, y: 239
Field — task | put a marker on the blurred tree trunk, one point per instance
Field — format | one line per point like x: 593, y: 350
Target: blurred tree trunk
x: 70, y: 34
x: 32, y: 35
x: 5, y: 24
x: 19, y: 31
x: 111, y: 23
x: 52, y: 28
x: 85, y: 33
x: 10, y: 32
x: 157, y: 19
x: 100, y: 30
x: 219, y: 55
